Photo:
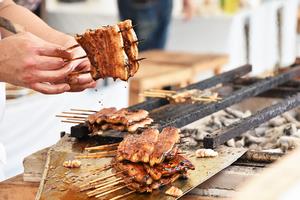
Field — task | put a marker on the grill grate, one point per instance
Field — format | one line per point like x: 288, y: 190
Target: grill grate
x: 180, y: 115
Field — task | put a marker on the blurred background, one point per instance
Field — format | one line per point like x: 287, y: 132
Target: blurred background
x: 184, y: 41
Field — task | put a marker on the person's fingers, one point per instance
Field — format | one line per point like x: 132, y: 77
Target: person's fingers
x: 50, y: 63
x: 53, y: 75
x: 80, y: 79
x: 54, y: 51
x: 85, y: 65
x: 78, y: 88
x: 47, y: 88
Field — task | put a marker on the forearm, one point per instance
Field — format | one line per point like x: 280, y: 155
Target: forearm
x: 31, y: 23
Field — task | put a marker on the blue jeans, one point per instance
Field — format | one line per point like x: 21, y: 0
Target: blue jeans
x: 152, y: 18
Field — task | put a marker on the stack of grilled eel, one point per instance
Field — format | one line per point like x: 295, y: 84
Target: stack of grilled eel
x: 119, y: 120
x: 151, y: 160
x: 112, y: 50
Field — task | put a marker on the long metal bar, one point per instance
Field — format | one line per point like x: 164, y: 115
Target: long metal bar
x: 207, y: 83
x: 81, y: 131
x: 234, y: 130
x: 187, y: 114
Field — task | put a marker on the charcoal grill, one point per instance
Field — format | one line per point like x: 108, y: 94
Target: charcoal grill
x: 179, y: 115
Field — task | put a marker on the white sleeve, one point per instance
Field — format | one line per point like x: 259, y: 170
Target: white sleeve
x: 2, y: 161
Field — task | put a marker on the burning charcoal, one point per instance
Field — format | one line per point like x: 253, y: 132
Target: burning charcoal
x: 289, y: 117
x: 297, y: 134
x: 215, y: 121
x: 275, y: 132
x: 209, y: 129
x: 240, y: 143
x: 260, y: 131
x: 269, y: 145
x: 237, y: 113
x: 297, y: 115
x: 290, y: 129
x: 230, y: 143
x: 200, y: 135
x: 227, y: 122
x: 285, y: 143
x: 254, y: 147
x: 253, y: 139
x: 191, y: 142
x: 277, y: 121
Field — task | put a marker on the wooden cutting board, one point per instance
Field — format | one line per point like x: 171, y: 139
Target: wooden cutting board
x: 62, y: 183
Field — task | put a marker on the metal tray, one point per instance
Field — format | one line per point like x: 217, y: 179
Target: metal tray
x: 55, y: 185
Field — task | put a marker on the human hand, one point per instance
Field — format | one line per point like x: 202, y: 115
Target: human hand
x: 79, y: 81
x: 189, y: 9
x: 29, y: 61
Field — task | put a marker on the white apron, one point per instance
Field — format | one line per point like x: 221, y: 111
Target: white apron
x: 2, y: 104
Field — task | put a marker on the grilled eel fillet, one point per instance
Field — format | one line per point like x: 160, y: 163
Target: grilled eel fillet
x: 134, y: 171
x: 130, y: 127
x: 103, y: 112
x: 112, y: 50
x: 164, y: 145
x: 119, y: 120
x: 114, y: 116
x: 150, y: 146
x: 136, y: 148
x: 178, y: 164
x: 130, y: 45
x: 104, y: 48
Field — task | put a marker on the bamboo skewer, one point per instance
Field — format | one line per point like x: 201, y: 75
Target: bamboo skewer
x: 95, y: 156
x: 162, y: 91
x: 101, y: 147
x: 80, y: 72
x: 100, y: 170
x: 139, y: 59
x: 102, y: 178
x: 108, y: 183
x: 173, y: 95
x: 105, y: 167
x: 78, y: 58
x: 71, y: 116
x: 111, y: 191
x: 83, y: 110
x: 94, y: 186
x: 75, y: 119
x: 73, y: 47
x: 75, y: 113
x: 100, y: 153
x: 72, y: 122
x: 100, y: 190
x: 122, y: 195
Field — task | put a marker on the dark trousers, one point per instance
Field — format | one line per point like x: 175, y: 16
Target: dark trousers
x: 152, y: 19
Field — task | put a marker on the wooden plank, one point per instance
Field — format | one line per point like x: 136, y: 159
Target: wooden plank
x: 276, y: 182
x: 16, y: 189
x: 184, y: 59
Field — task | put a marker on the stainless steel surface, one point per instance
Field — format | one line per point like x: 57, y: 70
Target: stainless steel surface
x: 56, y: 185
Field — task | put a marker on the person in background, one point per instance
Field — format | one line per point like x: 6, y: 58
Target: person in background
x: 152, y: 19
x: 36, y: 58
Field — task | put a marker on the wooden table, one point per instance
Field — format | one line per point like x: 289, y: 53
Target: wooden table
x: 163, y: 68
x: 16, y: 189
